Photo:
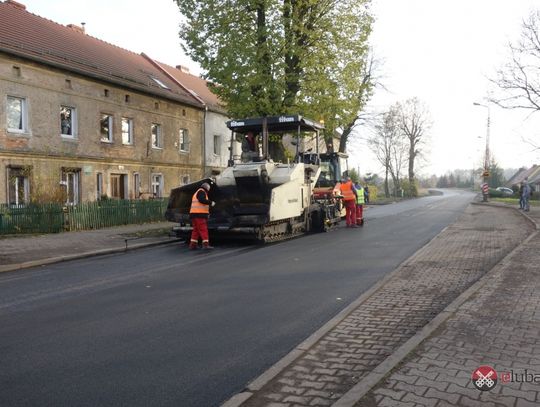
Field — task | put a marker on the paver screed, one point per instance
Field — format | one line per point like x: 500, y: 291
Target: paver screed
x: 499, y: 327
x: 421, y: 287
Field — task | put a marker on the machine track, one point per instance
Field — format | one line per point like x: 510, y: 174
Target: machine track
x: 282, y: 230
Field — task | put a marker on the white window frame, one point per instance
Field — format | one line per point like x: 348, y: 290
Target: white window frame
x: 157, y: 139
x: 127, y: 137
x: 71, y: 179
x: 106, y: 138
x: 217, y: 145
x: 136, y: 185
x: 183, y: 140
x: 23, y: 115
x: 99, y: 185
x: 17, y: 179
x: 157, y: 185
x: 72, y: 122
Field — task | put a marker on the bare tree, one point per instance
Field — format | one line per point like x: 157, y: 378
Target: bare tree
x: 371, y: 79
x: 414, y: 123
x: 519, y: 78
x: 387, y: 146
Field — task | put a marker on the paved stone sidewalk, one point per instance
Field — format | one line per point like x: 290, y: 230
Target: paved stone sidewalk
x: 27, y: 251
x: 417, y: 291
x: 499, y: 326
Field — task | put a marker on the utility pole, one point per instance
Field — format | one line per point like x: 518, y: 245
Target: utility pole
x: 485, y: 175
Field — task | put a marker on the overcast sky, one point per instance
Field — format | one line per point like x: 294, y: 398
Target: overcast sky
x: 439, y: 51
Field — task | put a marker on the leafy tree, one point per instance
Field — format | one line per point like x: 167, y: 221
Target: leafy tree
x: 270, y: 57
x: 496, y: 175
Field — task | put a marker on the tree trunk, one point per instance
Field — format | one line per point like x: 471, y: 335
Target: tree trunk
x: 412, y: 156
x: 386, y: 189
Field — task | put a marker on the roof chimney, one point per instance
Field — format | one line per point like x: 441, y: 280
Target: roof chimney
x: 76, y: 28
x: 182, y: 68
x: 16, y: 4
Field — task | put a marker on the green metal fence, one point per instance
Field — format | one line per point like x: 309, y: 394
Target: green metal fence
x: 53, y: 218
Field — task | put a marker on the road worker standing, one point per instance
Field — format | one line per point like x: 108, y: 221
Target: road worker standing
x: 349, y: 201
x: 199, y: 212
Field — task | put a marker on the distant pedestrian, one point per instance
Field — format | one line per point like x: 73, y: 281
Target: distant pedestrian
x: 199, y: 212
x: 526, y: 194
x: 349, y: 201
x: 366, y: 194
x: 521, y: 195
x: 360, y: 199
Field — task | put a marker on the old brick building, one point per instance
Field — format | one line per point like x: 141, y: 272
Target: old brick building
x: 81, y: 118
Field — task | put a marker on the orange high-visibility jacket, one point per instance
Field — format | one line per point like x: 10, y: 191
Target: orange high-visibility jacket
x: 347, y: 191
x: 198, y: 207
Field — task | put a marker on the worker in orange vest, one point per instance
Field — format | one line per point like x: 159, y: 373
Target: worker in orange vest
x: 199, y: 212
x: 349, y: 201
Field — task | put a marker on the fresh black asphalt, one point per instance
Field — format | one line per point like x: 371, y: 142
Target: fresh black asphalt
x: 169, y: 327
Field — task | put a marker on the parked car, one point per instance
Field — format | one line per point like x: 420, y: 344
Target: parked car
x: 505, y: 191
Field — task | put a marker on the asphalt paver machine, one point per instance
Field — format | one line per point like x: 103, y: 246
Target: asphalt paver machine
x: 261, y: 199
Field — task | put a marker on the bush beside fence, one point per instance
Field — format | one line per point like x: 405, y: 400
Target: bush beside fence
x: 54, y: 218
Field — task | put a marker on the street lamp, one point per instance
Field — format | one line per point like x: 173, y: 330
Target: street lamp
x: 486, y: 156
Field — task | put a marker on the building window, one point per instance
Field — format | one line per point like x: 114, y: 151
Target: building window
x: 127, y: 130
x: 68, y: 84
x: 17, y: 71
x: 160, y: 83
x: 106, y: 93
x: 68, y: 121
x: 99, y: 185
x: 137, y: 185
x: 17, y: 116
x: 156, y: 136
x: 183, y: 140
x: 127, y: 98
x: 71, y: 182
x: 106, y: 128
x: 185, y: 180
x: 217, y: 145
x: 157, y: 185
x: 18, y: 186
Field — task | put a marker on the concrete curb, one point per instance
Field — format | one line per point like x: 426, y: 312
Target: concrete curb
x: 355, y: 394
x: 101, y: 252
x: 259, y: 382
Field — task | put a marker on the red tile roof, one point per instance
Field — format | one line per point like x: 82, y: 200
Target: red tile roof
x: 197, y: 86
x: 32, y: 37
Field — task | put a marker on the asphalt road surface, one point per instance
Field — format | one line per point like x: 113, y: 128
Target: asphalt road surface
x: 169, y: 327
